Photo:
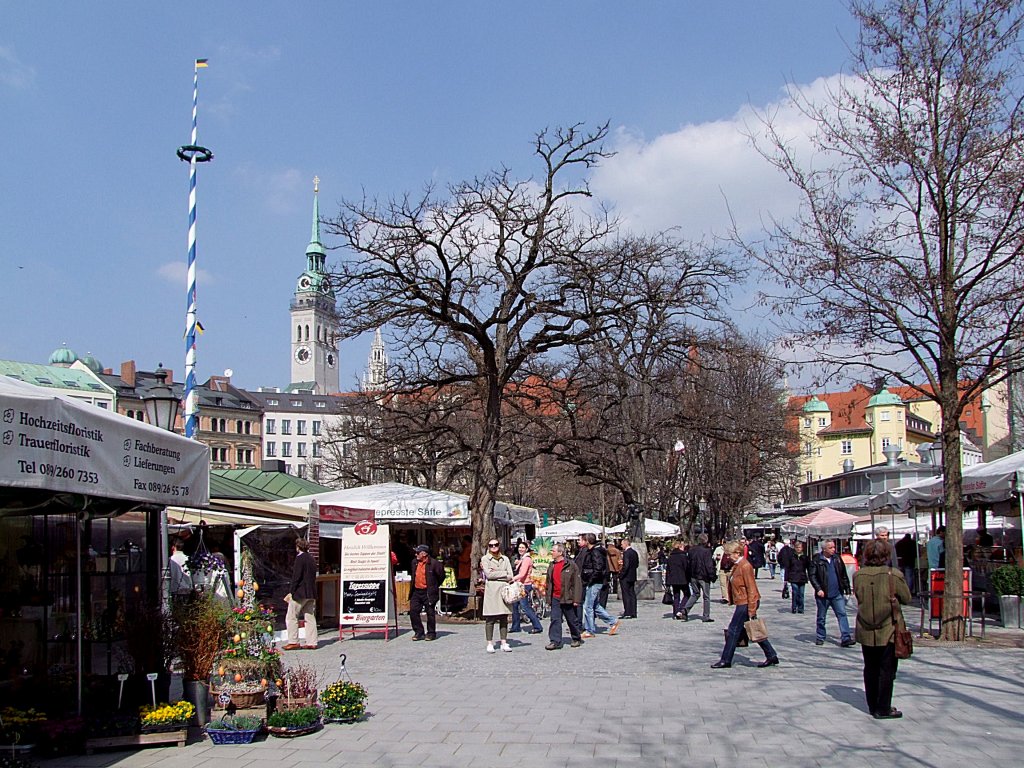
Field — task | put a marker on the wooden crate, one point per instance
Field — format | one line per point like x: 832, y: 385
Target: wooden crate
x: 137, y: 740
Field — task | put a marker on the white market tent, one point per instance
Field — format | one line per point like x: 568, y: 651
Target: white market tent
x: 654, y: 528
x: 570, y: 529
x: 391, y: 503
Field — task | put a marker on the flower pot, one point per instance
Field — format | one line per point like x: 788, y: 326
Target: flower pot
x: 197, y: 692
x: 1009, y: 610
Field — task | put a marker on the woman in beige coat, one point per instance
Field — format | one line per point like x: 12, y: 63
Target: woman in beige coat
x: 497, y: 572
x: 875, y: 629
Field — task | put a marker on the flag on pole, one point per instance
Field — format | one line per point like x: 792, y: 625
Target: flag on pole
x: 202, y: 63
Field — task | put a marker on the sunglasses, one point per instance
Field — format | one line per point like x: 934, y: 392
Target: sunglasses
x: 494, y: 544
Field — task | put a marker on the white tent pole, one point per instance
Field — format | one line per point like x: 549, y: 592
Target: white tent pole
x: 78, y: 604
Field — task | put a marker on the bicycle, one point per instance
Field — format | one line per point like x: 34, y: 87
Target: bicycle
x: 538, y: 603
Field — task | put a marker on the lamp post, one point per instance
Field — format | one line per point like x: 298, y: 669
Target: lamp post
x: 702, y: 506
x: 162, y: 411
x: 161, y: 403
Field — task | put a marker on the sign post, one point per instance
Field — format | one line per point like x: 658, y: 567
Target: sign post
x: 367, y: 592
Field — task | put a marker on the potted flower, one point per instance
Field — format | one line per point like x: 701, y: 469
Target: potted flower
x: 199, y: 621
x: 234, y: 729
x: 1008, y: 583
x: 294, y: 722
x: 248, y: 660
x: 343, y: 702
x: 297, y: 687
x: 204, y: 568
x: 166, y: 717
x: 19, y: 729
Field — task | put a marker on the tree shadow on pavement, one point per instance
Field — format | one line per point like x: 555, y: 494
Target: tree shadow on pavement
x: 847, y: 695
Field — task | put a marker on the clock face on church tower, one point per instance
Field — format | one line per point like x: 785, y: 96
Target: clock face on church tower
x: 302, y: 354
x: 330, y: 360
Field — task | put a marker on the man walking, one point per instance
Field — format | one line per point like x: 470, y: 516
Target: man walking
x: 831, y: 586
x: 564, y: 593
x: 614, y: 567
x: 301, y: 598
x: 936, y: 549
x: 627, y: 579
x: 755, y: 554
x: 906, y: 551
x: 427, y: 577
x: 702, y: 573
x: 785, y: 553
x: 593, y: 564
x: 882, y: 534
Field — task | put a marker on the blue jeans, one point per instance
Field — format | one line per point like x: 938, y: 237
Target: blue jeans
x: 771, y: 569
x: 591, y: 606
x: 908, y: 575
x: 797, y: 592
x: 838, y: 606
x: 572, y: 618
x: 732, y: 636
x: 524, y: 606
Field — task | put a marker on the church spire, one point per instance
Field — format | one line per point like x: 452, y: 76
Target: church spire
x: 316, y: 256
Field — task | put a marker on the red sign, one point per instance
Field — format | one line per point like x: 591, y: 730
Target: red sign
x: 335, y: 514
x: 365, y: 528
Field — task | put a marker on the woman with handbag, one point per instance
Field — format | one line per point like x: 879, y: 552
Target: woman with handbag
x: 746, y: 598
x: 880, y: 591
x: 497, y: 572
x: 524, y: 570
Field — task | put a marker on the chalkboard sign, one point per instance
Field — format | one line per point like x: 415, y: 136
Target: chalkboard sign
x: 366, y: 595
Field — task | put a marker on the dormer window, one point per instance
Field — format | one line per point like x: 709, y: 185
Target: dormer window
x: 822, y: 421
x: 886, y: 416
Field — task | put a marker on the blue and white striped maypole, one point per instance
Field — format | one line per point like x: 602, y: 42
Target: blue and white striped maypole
x: 193, y: 154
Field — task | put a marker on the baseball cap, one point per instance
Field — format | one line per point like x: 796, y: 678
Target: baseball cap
x: 423, y: 548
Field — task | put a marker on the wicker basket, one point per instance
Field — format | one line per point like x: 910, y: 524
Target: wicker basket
x: 233, y: 737
x: 241, y: 699
x: 288, y: 733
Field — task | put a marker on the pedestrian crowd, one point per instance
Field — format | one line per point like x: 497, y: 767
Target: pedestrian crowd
x: 576, y: 590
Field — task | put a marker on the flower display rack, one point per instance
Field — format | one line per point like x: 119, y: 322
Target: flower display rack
x: 177, y: 737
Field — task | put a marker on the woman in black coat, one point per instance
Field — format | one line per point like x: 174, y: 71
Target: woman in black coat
x: 677, y: 576
x: 797, y: 566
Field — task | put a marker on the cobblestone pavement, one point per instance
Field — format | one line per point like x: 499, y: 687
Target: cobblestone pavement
x: 645, y: 697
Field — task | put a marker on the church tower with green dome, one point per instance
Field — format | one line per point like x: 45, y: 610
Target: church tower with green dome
x: 313, y: 330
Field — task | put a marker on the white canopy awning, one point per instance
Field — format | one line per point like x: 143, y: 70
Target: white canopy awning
x: 656, y: 528
x: 56, y: 443
x: 568, y: 530
x: 990, y: 482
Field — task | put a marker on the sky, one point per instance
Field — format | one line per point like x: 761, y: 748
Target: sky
x: 377, y: 98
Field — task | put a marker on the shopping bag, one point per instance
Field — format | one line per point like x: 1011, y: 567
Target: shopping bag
x: 756, y: 630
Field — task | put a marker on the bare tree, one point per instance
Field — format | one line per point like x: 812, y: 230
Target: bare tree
x: 906, y: 258
x: 474, y: 285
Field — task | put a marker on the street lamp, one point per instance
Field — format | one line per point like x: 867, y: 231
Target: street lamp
x: 161, y: 403
x: 702, y: 506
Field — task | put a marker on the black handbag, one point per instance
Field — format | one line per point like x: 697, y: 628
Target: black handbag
x: 666, y: 599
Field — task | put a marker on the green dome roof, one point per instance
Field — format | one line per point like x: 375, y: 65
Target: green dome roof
x: 92, y: 363
x: 885, y: 397
x: 814, y: 405
x: 62, y: 356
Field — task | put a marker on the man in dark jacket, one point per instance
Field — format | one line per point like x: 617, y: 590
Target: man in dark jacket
x: 427, y: 577
x: 755, y: 554
x: 593, y: 564
x: 702, y: 573
x: 627, y: 579
x: 677, y: 578
x: 564, y: 594
x: 831, y: 586
x: 785, y: 552
x: 301, y: 598
x: 798, y: 565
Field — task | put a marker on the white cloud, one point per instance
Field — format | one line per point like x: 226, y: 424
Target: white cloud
x: 176, y: 272
x: 692, y: 178
x: 13, y: 72
x: 280, y: 189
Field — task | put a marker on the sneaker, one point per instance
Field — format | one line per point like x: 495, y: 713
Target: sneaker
x: 553, y: 647
x: 587, y: 635
x: 819, y: 642
x: 506, y: 648
x: 431, y: 636
x: 417, y: 637
x: 575, y: 643
x: 490, y: 647
x: 613, y: 628
x: 679, y: 615
x: 848, y: 643
x: 534, y: 631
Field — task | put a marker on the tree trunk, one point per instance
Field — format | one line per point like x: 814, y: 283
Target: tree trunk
x: 485, y: 481
x: 953, y: 622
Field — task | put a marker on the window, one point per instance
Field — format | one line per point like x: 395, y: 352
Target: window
x: 885, y: 443
x: 271, y: 426
x: 238, y: 427
x: 213, y: 425
x: 817, y: 451
x: 286, y: 449
x: 301, y: 471
x: 316, y: 450
x: 248, y: 427
x: 807, y: 423
x: 316, y: 428
x: 316, y: 474
x: 271, y: 450
x: 300, y: 427
x: 899, y: 415
x: 300, y: 450
x: 809, y: 477
x: 222, y: 425
x: 822, y: 421
x: 105, y: 404
x: 271, y: 401
x: 886, y: 416
x: 319, y: 404
x: 808, y: 449
x: 286, y: 426
x: 239, y: 456
x: 348, y: 449
x: 847, y: 447
x: 296, y: 403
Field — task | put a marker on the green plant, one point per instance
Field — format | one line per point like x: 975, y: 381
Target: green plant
x: 343, y: 701
x: 236, y: 723
x: 20, y: 726
x: 302, y: 717
x: 1008, y: 580
x: 167, y: 714
x: 300, y: 681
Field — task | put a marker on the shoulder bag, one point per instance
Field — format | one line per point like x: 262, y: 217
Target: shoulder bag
x: 903, y: 640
